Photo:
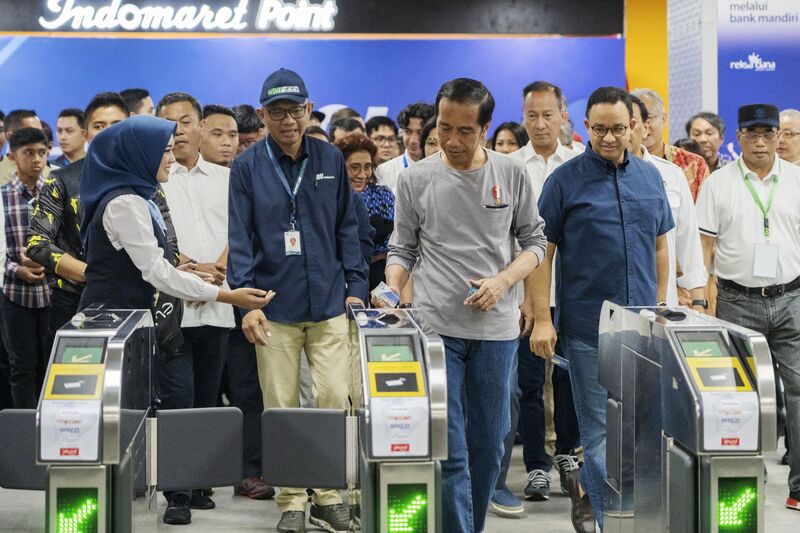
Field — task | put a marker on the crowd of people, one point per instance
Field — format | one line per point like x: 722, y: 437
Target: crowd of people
x: 252, y: 228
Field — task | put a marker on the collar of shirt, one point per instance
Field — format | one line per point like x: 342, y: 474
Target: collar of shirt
x: 200, y: 166
x: 24, y: 189
x: 528, y: 152
x: 599, y: 160
x: 773, y: 173
x: 280, y: 155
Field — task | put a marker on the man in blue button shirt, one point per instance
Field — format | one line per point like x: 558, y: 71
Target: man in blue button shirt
x: 611, y: 209
x: 292, y: 227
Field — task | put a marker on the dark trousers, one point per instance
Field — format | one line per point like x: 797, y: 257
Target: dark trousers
x: 191, y: 376
x: 5, y: 371
x: 244, y: 392
x: 25, y: 332
x: 531, y: 371
x: 63, y: 306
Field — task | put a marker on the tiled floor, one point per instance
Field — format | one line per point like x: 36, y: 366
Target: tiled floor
x: 23, y: 512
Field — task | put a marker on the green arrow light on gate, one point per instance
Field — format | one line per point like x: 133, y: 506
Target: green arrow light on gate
x: 79, y: 520
x: 730, y: 514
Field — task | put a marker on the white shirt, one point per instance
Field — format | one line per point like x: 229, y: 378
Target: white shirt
x: 388, y: 171
x: 198, y: 204
x: 538, y: 171
x: 578, y: 147
x: 683, y: 241
x: 726, y: 210
x: 129, y: 226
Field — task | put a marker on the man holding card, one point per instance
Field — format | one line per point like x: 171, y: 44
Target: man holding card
x: 750, y: 229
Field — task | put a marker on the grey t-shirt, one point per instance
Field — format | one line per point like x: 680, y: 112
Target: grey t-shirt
x: 451, y: 226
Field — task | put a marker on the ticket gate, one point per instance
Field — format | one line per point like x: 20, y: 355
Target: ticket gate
x: 97, y: 441
x: 691, y: 411
x: 391, y: 448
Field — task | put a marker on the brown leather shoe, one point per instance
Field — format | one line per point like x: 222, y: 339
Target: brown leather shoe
x: 254, y: 488
x: 582, y: 515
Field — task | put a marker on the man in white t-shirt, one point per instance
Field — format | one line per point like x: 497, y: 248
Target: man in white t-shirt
x: 411, y: 119
x: 748, y: 218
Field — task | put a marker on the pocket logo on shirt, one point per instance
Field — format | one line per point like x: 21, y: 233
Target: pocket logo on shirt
x: 321, y: 176
x: 498, y: 203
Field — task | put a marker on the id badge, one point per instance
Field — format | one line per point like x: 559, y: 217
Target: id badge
x: 765, y: 261
x: 291, y: 241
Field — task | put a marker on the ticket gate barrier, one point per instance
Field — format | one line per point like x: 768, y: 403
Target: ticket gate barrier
x: 391, y: 448
x: 96, y: 441
x: 691, y: 411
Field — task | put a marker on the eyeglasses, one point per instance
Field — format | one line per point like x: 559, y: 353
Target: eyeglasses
x: 602, y: 131
x: 382, y: 139
x: 789, y: 134
x: 431, y: 142
x: 278, y: 114
x: 356, y: 168
x: 753, y: 136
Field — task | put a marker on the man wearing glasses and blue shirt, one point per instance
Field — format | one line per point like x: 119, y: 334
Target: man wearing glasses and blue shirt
x: 293, y: 227
x: 612, y: 208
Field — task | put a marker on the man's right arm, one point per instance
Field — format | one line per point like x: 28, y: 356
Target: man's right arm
x: 404, y: 242
x: 44, y: 225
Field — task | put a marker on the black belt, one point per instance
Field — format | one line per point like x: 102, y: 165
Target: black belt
x: 766, y: 292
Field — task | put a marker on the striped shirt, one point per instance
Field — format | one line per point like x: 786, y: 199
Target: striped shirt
x: 17, y: 199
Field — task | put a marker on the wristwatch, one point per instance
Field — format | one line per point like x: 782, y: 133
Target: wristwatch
x: 701, y: 302
x: 404, y: 306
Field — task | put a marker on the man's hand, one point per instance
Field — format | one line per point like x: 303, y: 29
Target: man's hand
x: 27, y: 261
x: 191, y: 268
x: 30, y: 274
x: 381, y: 303
x: 526, y: 320
x: 217, y: 271
x: 543, y: 339
x: 490, y: 292
x: 256, y: 327
x: 353, y: 300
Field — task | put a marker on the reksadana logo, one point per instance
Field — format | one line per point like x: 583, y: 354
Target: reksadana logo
x: 754, y: 62
x: 173, y: 16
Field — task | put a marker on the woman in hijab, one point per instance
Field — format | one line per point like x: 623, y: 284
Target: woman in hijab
x: 123, y: 231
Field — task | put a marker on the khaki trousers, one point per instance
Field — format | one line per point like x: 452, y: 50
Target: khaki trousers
x: 327, y: 349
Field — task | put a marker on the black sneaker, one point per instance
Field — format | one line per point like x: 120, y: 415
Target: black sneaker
x: 201, y: 501
x: 178, y: 512
x: 565, y: 464
x: 292, y: 522
x: 333, y: 518
x: 538, y: 487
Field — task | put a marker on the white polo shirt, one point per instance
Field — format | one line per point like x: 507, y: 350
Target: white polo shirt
x: 726, y: 210
x: 538, y: 171
x: 387, y: 172
x: 198, y: 204
x: 683, y: 241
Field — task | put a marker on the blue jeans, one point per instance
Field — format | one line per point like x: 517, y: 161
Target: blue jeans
x: 590, y: 405
x: 478, y: 388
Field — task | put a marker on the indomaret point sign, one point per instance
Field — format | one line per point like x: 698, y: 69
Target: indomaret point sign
x: 232, y: 16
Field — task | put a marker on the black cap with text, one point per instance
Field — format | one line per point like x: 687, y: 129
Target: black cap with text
x: 283, y: 84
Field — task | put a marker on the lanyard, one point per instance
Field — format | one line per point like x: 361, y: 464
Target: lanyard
x: 285, y: 182
x: 405, y: 161
x: 754, y: 194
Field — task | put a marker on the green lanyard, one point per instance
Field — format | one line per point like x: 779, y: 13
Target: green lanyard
x: 754, y: 194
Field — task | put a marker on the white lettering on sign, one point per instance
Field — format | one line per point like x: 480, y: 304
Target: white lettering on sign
x: 130, y: 16
x: 301, y: 16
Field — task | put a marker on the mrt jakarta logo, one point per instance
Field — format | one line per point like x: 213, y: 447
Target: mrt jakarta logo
x: 754, y: 62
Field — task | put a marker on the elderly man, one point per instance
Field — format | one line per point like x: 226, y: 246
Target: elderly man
x: 490, y: 204
x: 748, y: 219
x: 694, y: 167
x: 789, y: 136
x: 293, y: 227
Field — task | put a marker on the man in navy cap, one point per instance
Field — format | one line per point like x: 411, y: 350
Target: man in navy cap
x: 748, y: 218
x: 292, y: 227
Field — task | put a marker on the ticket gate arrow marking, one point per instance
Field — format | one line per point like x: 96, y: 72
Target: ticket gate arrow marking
x: 702, y: 353
x: 731, y: 514
x: 74, y: 384
x: 395, y: 382
x: 78, y: 517
x: 81, y: 358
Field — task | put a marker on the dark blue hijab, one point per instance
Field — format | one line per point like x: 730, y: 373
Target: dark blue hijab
x: 126, y: 154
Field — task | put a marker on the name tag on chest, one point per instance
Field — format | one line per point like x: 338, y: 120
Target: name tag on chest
x: 765, y: 260
x: 291, y: 241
